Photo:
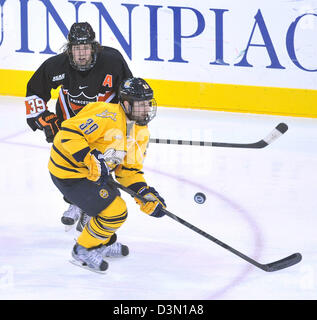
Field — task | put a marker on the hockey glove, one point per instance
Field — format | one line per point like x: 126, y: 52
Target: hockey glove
x: 49, y: 123
x: 98, y: 170
x: 155, y: 203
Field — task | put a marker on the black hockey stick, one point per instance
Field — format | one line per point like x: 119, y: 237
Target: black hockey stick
x: 276, y: 133
x: 269, y: 267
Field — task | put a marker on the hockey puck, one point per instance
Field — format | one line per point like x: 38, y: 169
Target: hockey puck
x: 199, y: 198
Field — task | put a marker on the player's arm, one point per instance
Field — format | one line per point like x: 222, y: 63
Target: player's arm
x: 122, y: 73
x: 136, y: 182
x: 75, y: 142
x: 38, y: 94
x: 126, y: 72
x: 130, y: 174
x: 76, y: 136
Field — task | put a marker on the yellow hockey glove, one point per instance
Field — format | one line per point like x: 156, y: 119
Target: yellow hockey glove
x: 155, y: 203
x: 97, y: 167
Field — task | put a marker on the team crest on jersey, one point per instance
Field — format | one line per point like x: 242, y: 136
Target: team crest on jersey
x: 127, y: 84
x: 59, y: 77
x: 107, y: 114
x: 80, y: 99
x: 104, y: 193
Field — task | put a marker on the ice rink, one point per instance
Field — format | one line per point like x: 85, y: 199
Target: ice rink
x: 262, y: 202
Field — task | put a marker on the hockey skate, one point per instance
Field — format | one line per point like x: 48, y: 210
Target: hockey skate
x: 71, y: 216
x: 90, y: 259
x: 84, y: 218
x: 114, y: 250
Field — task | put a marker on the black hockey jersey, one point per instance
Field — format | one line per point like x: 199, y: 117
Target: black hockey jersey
x: 100, y: 83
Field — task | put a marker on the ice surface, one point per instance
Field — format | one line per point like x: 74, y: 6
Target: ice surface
x: 261, y: 202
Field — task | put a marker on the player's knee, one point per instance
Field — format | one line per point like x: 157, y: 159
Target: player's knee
x: 115, y: 214
x: 116, y: 207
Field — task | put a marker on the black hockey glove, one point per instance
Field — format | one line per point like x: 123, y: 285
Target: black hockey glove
x: 49, y: 123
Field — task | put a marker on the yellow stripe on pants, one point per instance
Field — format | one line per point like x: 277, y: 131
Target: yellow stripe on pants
x: 100, y: 228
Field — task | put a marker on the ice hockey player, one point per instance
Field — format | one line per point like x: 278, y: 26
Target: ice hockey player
x: 87, y: 72
x: 101, y: 140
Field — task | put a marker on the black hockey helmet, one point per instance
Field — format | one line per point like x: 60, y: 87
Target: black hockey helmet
x: 82, y: 33
x: 142, y: 105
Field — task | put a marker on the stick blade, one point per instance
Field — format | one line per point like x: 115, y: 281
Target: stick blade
x: 279, y: 130
x: 282, y: 127
x: 283, y: 263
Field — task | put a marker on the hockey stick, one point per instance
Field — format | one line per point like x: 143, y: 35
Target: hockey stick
x: 276, y: 133
x: 269, y: 267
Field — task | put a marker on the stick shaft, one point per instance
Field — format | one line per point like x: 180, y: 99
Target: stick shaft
x: 276, y: 133
x: 274, y: 266
x: 256, y: 145
x: 190, y: 226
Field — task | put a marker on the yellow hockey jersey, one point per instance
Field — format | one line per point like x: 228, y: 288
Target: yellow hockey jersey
x: 105, y: 127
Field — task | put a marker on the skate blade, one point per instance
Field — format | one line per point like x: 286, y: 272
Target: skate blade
x: 79, y: 264
x: 69, y: 227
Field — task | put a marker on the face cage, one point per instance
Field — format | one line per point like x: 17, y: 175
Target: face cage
x: 142, y: 112
x: 87, y: 66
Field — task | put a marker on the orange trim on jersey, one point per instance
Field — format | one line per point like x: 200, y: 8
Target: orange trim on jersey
x: 75, y: 106
x: 105, y: 96
x: 62, y: 107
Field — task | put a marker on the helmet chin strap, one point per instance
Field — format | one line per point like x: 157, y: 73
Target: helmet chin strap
x: 127, y: 112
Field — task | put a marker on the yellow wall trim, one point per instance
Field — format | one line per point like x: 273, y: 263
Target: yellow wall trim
x: 201, y: 95
x: 236, y: 98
